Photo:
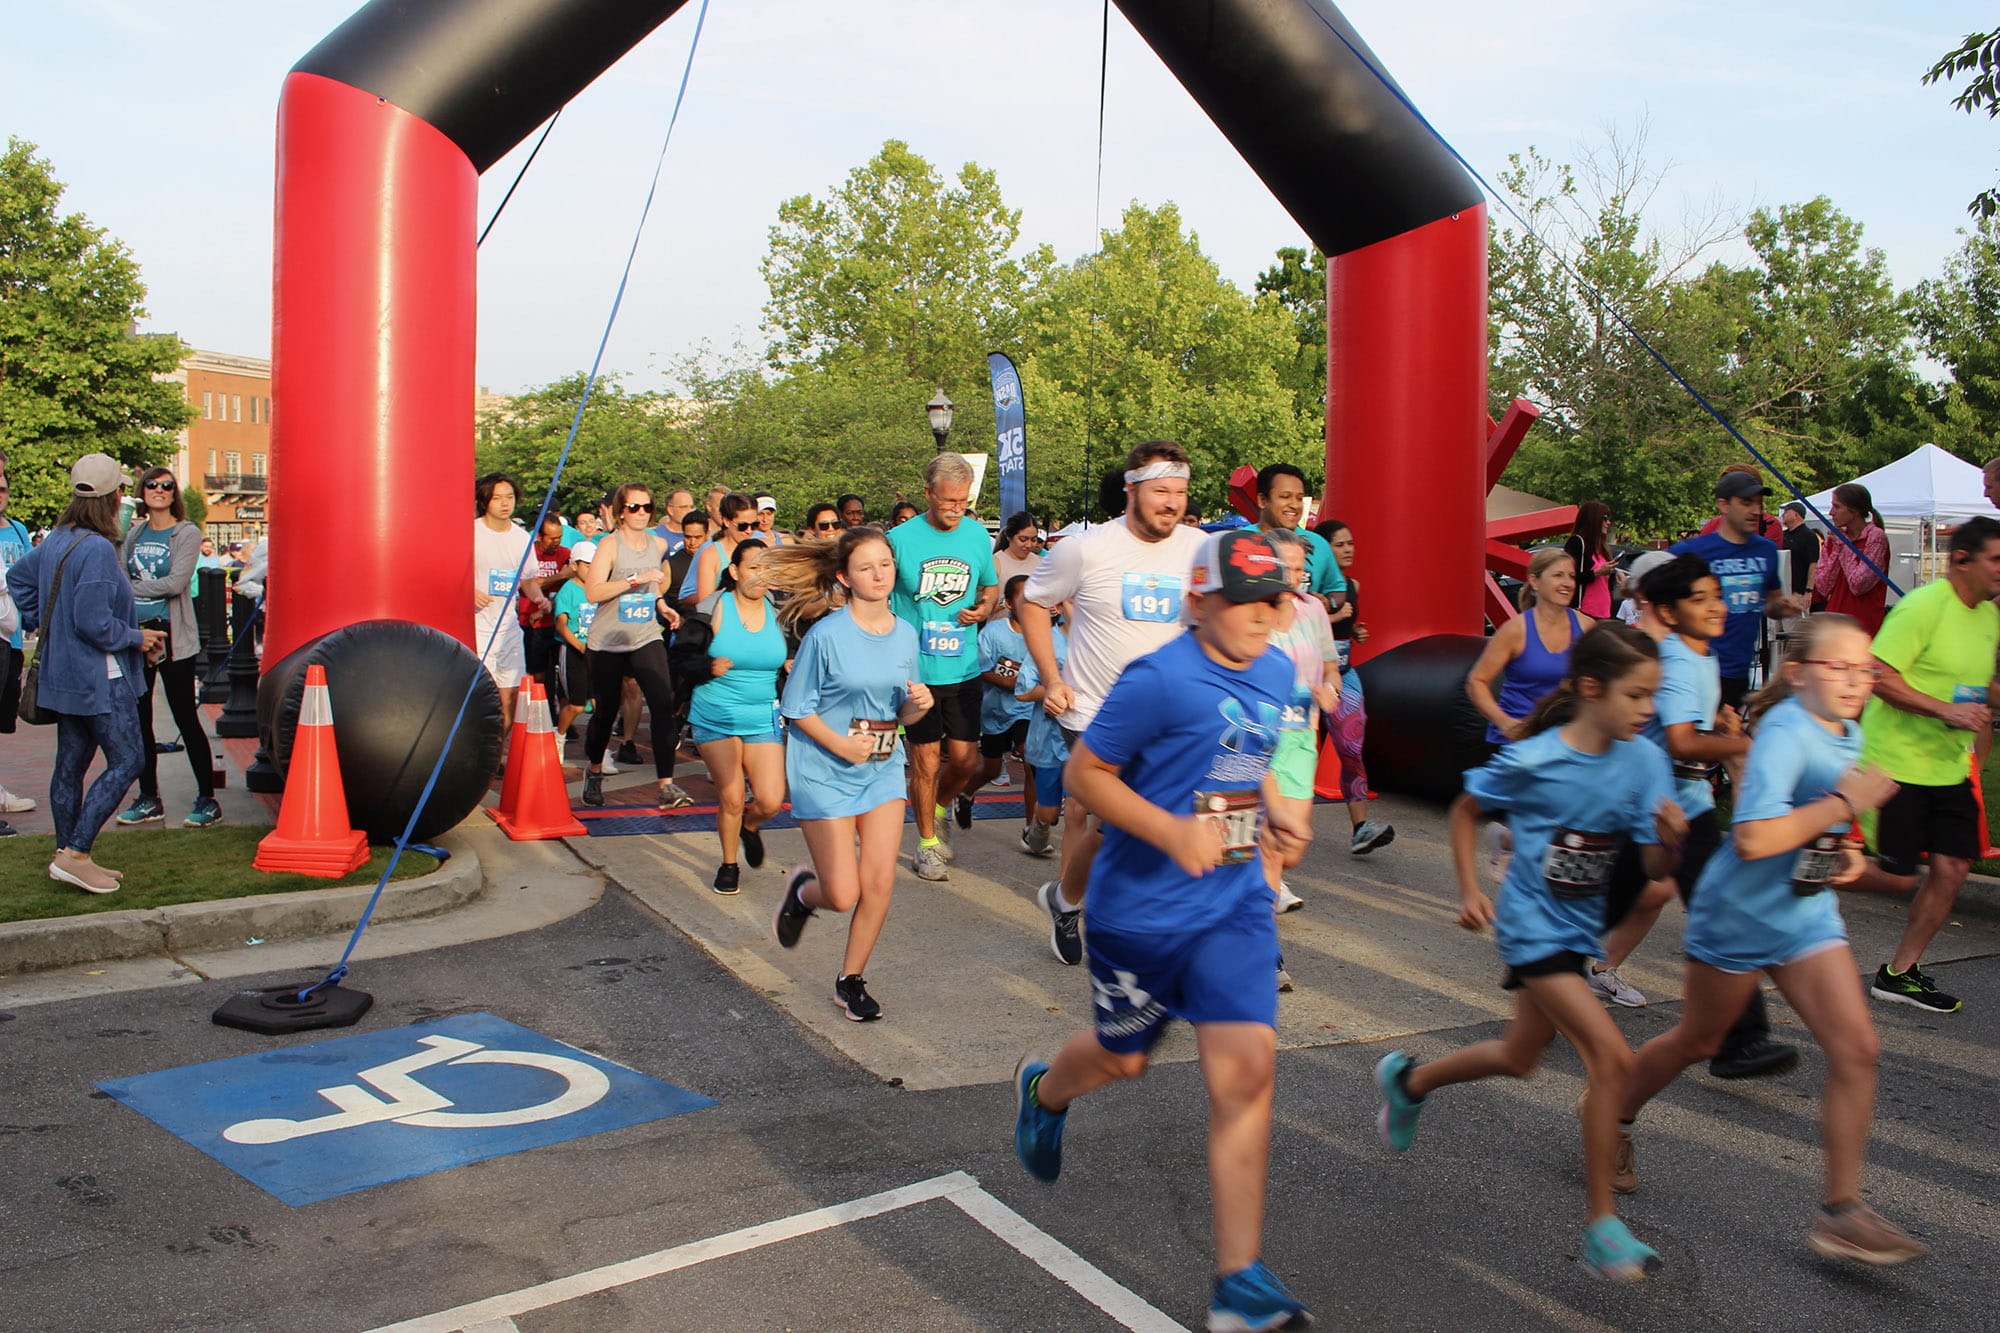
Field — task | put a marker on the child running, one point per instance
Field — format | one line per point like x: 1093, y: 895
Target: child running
x: 1177, y: 763
x: 853, y: 686
x: 1003, y: 717
x: 1578, y: 783
x: 1046, y: 750
x: 1304, y: 634
x: 1763, y: 905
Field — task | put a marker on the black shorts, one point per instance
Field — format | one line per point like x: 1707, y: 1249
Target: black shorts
x: 538, y: 648
x: 1943, y: 821
x: 1557, y: 963
x: 995, y: 744
x: 1628, y: 875
x: 954, y: 714
x: 575, y: 675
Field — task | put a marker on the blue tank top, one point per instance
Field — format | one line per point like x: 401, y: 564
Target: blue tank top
x: 1530, y: 677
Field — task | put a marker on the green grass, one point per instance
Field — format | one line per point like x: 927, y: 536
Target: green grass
x: 165, y: 866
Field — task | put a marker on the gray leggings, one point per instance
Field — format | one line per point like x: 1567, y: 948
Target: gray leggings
x: 81, y: 814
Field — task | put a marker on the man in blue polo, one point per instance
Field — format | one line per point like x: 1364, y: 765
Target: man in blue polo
x: 945, y: 586
x: 1746, y: 564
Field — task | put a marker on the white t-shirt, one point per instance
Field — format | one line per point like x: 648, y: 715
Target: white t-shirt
x: 1125, y: 597
x: 495, y: 557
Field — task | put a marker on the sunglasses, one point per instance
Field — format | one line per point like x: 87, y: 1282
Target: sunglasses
x: 159, y: 484
x: 639, y: 507
x: 826, y: 527
x: 745, y: 527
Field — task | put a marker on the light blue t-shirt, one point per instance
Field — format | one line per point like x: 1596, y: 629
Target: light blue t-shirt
x: 1690, y: 691
x: 1046, y: 746
x: 579, y: 611
x: 1191, y: 736
x: 1000, y: 641
x: 743, y: 701
x: 14, y: 543
x: 848, y: 677
x: 938, y: 575
x: 1570, y: 814
x: 152, y: 558
x: 1745, y: 915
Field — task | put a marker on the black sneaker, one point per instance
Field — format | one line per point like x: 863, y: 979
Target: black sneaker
x: 7, y: 830
x: 628, y: 753
x: 962, y: 808
x: 1759, y: 1057
x: 792, y: 913
x: 851, y: 994
x: 1063, y: 933
x: 753, y: 848
x: 593, y: 789
x: 1912, y: 988
x: 726, y: 876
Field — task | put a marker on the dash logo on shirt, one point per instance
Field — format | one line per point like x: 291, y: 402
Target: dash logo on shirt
x: 944, y: 580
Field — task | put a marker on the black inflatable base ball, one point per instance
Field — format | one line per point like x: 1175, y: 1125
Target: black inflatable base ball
x: 277, y: 1010
x: 1423, y: 732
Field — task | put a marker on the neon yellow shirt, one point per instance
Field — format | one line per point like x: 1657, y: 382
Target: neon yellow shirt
x: 1945, y: 649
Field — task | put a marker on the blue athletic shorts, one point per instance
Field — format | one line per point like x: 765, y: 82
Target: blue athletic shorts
x: 1048, y: 785
x: 1224, y: 973
x: 705, y: 735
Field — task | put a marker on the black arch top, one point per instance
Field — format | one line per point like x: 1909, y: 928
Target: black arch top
x: 484, y: 72
x: 1349, y: 162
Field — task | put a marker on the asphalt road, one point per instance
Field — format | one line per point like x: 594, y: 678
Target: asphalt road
x: 109, y: 1222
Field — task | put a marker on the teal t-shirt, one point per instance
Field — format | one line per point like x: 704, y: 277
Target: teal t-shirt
x: 939, y: 574
x: 152, y: 558
x: 14, y: 543
x: 570, y: 604
x: 1323, y: 574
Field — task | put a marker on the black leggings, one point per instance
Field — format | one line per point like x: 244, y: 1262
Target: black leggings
x: 186, y: 709
x: 648, y: 666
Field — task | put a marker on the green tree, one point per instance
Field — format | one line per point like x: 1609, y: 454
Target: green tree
x: 625, y: 437
x: 1957, y: 318
x: 1298, y: 282
x: 1977, y: 54
x: 74, y: 376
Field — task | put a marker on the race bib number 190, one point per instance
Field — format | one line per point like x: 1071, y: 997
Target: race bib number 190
x: 943, y: 638
x: 1236, y: 813
x: 1151, y: 597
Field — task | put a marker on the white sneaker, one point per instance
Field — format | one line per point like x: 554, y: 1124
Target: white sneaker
x: 1005, y: 779
x: 610, y: 769
x: 1286, y: 900
x: 1496, y: 846
x: 1606, y: 984
x: 10, y: 804
x: 929, y: 865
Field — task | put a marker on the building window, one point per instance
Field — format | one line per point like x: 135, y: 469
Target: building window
x: 211, y: 461
x: 236, y: 407
x: 256, y: 462
x: 253, y: 409
x: 233, y: 463
x: 208, y: 407
x: 267, y: 411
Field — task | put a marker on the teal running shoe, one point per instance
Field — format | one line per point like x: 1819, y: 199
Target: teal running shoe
x: 206, y: 812
x: 1613, y: 1253
x: 1252, y: 1300
x: 1398, y: 1119
x: 1037, y: 1133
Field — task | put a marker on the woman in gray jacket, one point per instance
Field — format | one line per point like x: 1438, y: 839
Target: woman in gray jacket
x: 160, y: 553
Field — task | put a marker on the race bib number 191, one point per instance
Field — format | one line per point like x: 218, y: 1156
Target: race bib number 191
x: 1151, y: 597
x: 1236, y: 813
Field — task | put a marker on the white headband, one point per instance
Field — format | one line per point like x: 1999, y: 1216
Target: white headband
x: 1156, y: 471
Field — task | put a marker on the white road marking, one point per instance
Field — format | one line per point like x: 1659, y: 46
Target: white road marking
x: 496, y: 1313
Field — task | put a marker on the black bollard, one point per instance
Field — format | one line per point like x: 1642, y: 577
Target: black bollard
x: 211, y: 615
x: 239, y: 715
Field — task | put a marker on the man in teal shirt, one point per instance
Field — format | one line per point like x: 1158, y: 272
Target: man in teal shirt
x: 945, y: 586
x: 1281, y: 502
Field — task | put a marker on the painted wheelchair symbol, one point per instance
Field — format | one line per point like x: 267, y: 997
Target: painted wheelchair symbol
x: 405, y: 1101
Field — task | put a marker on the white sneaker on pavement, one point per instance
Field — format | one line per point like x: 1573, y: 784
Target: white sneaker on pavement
x: 1606, y: 984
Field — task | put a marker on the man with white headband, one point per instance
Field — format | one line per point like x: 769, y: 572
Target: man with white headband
x: 1122, y: 583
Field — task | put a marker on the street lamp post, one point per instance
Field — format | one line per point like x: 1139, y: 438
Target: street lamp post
x: 938, y: 409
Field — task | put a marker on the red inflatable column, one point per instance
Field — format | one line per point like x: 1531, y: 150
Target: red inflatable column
x: 372, y: 327
x: 1406, y: 424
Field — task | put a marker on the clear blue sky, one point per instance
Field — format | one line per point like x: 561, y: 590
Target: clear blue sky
x: 159, y: 119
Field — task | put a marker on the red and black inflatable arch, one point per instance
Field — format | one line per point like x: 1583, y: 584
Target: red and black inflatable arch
x: 383, y: 130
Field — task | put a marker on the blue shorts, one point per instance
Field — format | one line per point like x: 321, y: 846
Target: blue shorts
x: 1048, y: 785
x: 703, y: 735
x: 1224, y: 973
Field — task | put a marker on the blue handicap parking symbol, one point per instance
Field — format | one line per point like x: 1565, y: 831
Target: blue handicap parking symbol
x: 312, y: 1122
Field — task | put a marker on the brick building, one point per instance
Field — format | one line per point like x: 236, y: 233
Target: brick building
x: 225, y: 452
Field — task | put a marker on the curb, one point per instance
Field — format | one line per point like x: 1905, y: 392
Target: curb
x: 53, y: 942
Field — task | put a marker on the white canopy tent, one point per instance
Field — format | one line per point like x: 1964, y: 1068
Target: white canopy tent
x: 1915, y: 495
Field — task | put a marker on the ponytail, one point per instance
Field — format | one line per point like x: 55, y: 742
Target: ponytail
x: 806, y: 574
x: 1607, y: 650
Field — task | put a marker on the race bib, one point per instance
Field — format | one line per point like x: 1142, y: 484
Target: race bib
x: 1007, y: 669
x: 585, y: 618
x: 943, y: 638
x: 1818, y: 860
x: 1578, y: 864
x: 499, y: 582
x: 1343, y: 650
x: 1151, y: 597
x: 635, y: 608
x: 881, y: 737
x: 1236, y: 813
x: 1695, y: 770
x: 1968, y: 694
x: 1297, y: 716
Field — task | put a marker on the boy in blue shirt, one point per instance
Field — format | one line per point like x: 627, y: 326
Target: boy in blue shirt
x: 1177, y: 765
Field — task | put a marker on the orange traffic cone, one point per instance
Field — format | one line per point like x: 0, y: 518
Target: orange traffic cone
x: 541, y: 803
x: 1979, y: 800
x: 517, y: 746
x: 313, y: 836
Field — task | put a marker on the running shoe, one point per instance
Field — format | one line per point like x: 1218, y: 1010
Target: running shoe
x: 1496, y: 850
x: 1251, y: 1300
x: 1286, y: 900
x: 10, y: 804
x: 962, y: 810
x: 792, y: 913
x: 1037, y: 1133
x: 674, y: 797
x: 1759, y: 1057
x: 1606, y: 984
x: 726, y: 877
x: 1398, y: 1117
x: 929, y: 863
x: 1004, y: 778
x: 206, y: 812
x: 145, y: 810
x: 610, y: 769
x: 1035, y: 838
x: 593, y: 789
x: 1911, y: 987
x: 1860, y: 1233
x: 8, y: 830
x: 1064, y: 935
x: 1284, y: 979
x: 1613, y: 1253
x: 753, y: 848
x: 628, y: 753
x: 86, y: 875
x: 942, y: 824
x: 851, y: 994
x: 1370, y: 835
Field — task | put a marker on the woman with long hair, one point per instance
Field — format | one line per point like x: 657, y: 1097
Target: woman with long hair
x: 1849, y: 586
x: 852, y: 688
x: 739, y: 521
x: 1589, y: 547
x: 1529, y: 655
x: 1016, y: 550
x: 160, y: 553
x: 1348, y: 723
x: 626, y: 583
x: 90, y: 663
